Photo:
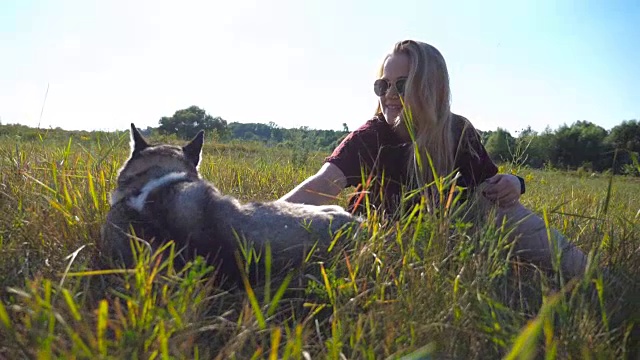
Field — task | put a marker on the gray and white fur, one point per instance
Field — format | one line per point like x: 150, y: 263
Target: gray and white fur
x: 161, y: 195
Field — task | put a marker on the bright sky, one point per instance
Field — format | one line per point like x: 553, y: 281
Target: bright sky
x: 312, y: 63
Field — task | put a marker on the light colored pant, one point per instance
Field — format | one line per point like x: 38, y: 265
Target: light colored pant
x: 532, y: 241
x: 529, y: 233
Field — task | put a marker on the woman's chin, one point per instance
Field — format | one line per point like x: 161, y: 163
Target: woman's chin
x: 391, y: 116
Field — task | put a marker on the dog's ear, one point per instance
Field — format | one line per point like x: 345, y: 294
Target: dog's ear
x: 193, y: 150
x: 138, y: 143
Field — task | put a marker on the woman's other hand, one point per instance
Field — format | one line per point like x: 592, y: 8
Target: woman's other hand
x: 503, y: 189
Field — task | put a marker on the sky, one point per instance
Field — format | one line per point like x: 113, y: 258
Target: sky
x: 101, y: 65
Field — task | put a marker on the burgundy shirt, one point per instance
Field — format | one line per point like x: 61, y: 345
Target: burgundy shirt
x: 375, y: 152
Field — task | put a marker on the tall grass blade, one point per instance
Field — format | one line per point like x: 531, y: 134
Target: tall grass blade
x: 4, y: 317
x: 101, y: 330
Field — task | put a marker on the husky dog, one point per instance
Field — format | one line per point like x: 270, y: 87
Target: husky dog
x: 161, y: 195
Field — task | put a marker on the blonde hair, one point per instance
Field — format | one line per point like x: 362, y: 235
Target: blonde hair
x: 427, y: 116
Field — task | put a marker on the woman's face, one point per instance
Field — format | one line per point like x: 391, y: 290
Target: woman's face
x: 394, y: 76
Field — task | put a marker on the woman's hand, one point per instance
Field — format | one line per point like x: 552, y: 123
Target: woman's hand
x: 503, y: 189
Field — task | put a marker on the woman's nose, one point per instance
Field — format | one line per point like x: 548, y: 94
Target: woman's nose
x: 392, y: 92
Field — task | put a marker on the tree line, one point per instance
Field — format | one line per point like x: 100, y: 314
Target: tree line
x: 187, y: 122
x: 581, y: 145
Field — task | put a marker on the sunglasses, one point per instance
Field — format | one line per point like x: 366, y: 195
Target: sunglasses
x: 381, y: 86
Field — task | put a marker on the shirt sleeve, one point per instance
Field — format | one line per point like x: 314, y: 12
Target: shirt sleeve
x: 472, y: 159
x: 358, y: 152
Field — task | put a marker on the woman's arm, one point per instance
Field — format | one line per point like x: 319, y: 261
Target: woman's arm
x: 320, y: 188
x: 477, y: 167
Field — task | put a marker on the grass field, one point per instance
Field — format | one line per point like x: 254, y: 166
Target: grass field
x: 397, y: 290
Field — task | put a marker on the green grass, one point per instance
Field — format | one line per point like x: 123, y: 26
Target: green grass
x: 411, y: 289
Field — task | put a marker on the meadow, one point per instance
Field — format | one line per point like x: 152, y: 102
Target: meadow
x: 424, y: 287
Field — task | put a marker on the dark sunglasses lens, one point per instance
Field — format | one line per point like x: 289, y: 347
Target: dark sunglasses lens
x: 380, y: 87
x: 400, y: 85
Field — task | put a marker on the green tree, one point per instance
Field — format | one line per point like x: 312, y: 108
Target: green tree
x: 581, y: 144
x: 625, y: 139
x: 499, y: 144
x: 186, y: 123
x: 536, y: 146
x: 626, y: 136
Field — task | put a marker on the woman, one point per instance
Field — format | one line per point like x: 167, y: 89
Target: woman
x: 413, y: 123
